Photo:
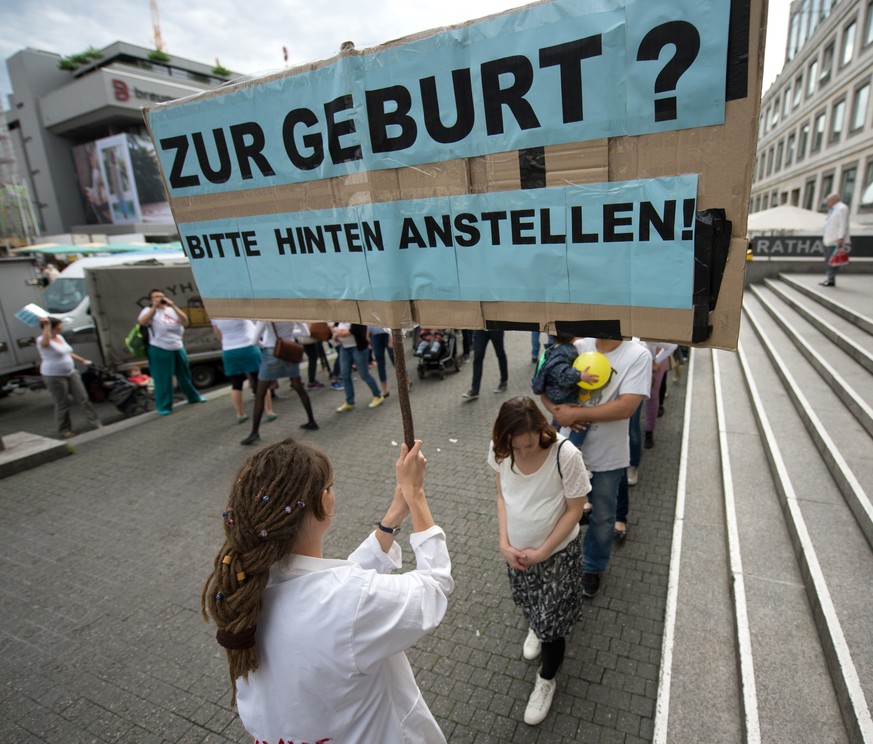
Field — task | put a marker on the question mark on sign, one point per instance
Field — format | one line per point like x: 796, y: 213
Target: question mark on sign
x: 686, y: 39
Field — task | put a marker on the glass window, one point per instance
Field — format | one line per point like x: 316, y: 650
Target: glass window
x: 769, y: 161
x: 758, y: 203
x: 798, y: 88
x: 818, y: 133
x: 809, y: 194
x: 766, y: 202
x: 804, y: 21
x: 802, y: 142
x: 64, y: 294
x: 848, y: 48
x: 827, y: 62
x: 779, y: 151
x: 792, y: 37
x: 859, y: 107
x: 789, y: 150
x: 775, y: 120
x: 847, y: 184
x: 867, y: 192
x: 763, y: 160
x: 838, y: 115
x: 811, y: 77
x: 827, y: 186
x: 767, y: 120
x: 786, y: 102
x: 868, y: 25
x: 773, y: 202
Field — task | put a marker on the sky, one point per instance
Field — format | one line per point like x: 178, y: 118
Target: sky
x: 248, y: 35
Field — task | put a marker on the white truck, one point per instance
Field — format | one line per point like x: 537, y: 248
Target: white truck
x: 20, y: 285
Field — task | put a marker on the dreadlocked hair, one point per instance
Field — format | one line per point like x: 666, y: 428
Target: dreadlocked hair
x: 273, y: 492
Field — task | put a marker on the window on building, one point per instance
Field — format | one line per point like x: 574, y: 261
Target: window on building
x: 758, y: 203
x: 838, y: 116
x: 767, y: 120
x: 786, y: 102
x: 804, y: 21
x: 798, y: 88
x: 847, y: 184
x: 779, y: 152
x: 847, y: 51
x: 761, y: 165
x: 761, y: 121
x: 773, y: 199
x: 775, y: 120
x: 866, y: 202
x: 792, y: 38
x: 789, y: 150
x: 859, y: 107
x: 795, y: 197
x: 769, y: 161
x: 809, y: 194
x: 827, y: 63
x: 868, y: 25
x: 818, y: 132
x: 811, y: 77
x: 766, y: 202
x: 827, y: 186
x: 802, y: 142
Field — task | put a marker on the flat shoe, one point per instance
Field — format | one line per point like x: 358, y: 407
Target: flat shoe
x: 310, y: 425
x: 620, y: 535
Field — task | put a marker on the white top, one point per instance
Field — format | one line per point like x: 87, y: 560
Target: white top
x: 606, y: 445
x: 660, y: 350
x: 235, y: 334
x: 330, y: 640
x: 836, y: 224
x: 266, y: 337
x: 535, y: 502
x: 166, y: 329
x: 348, y: 342
x: 57, y: 357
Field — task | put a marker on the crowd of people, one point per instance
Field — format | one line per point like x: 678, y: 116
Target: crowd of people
x: 562, y: 500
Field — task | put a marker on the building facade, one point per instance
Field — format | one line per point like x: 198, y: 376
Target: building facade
x: 80, y: 141
x: 815, y: 133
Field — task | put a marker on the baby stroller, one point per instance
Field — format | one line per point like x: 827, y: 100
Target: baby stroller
x: 126, y: 396
x: 436, y: 349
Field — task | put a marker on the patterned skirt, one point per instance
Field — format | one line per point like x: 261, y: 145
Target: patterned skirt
x: 550, y: 593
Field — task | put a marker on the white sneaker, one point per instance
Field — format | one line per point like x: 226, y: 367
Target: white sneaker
x: 633, y: 475
x: 532, y: 646
x: 540, y: 701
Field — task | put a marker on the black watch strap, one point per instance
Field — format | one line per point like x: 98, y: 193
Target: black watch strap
x: 389, y: 530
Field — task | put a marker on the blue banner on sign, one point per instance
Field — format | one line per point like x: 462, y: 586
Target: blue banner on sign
x: 628, y: 243
x: 564, y: 71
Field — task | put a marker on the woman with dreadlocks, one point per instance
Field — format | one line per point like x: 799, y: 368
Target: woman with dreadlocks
x: 315, y: 646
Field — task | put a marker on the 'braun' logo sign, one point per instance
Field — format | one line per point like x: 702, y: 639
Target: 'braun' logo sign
x: 123, y: 93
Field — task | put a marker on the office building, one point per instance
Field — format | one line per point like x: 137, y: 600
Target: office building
x: 815, y: 133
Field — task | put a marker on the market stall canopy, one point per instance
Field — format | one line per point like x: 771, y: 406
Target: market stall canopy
x: 790, y: 220
x: 90, y: 249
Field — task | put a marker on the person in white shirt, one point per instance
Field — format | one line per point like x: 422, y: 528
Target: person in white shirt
x: 167, y: 358
x: 61, y: 379
x: 606, y: 448
x: 541, y: 488
x: 241, y: 359
x: 836, y: 235
x: 315, y: 646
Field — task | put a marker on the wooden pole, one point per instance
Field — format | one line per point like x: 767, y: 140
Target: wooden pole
x: 403, y: 386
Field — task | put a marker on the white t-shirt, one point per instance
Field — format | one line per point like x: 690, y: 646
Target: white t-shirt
x: 235, y: 334
x: 166, y: 329
x: 535, y: 502
x: 836, y: 224
x: 347, y: 342
x: 286, y: 329
x: 330, y: 641
x: 56, y: 358
x: 606, y: 445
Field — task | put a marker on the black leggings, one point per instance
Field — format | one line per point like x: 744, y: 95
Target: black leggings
x: 552, y: 656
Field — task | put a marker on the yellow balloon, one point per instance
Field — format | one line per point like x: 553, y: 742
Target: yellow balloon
x: 594, y: 363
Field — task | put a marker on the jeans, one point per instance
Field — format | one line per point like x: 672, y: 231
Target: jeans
x: 163, y: 365
x: 635, y: 436
x: 534, y: 344
x: 379, y: 342
x: 480, y: 344
x: 361, y: 359
x: 61, y: 387
x: 597, y: 544
x: 831, y: 271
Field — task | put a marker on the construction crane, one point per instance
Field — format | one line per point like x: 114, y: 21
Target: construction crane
x: 156, y: 24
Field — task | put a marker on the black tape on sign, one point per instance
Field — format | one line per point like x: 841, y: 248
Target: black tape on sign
x: 510, y: 325
x: 590, y: 328
x: 712, y: 237
x: 737, y: 80
x: 532, y: 167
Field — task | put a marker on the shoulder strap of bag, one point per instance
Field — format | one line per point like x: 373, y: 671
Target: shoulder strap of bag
x: 563, y: 442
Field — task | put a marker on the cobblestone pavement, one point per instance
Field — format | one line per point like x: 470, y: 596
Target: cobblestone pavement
x: 101, y: 638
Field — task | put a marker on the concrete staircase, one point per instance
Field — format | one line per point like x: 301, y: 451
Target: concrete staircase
x: 769, y: 626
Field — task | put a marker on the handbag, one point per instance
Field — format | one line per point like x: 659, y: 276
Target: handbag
x: 287, y: 350
x: 839, y: 257
x: 320, y: 331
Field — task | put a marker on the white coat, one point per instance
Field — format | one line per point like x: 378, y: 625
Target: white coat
x: 330, y: 640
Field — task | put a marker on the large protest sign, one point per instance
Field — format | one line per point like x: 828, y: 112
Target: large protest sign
x: 552, y: 164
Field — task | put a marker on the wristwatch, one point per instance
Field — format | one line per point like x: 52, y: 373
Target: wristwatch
x: 389, y: 530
